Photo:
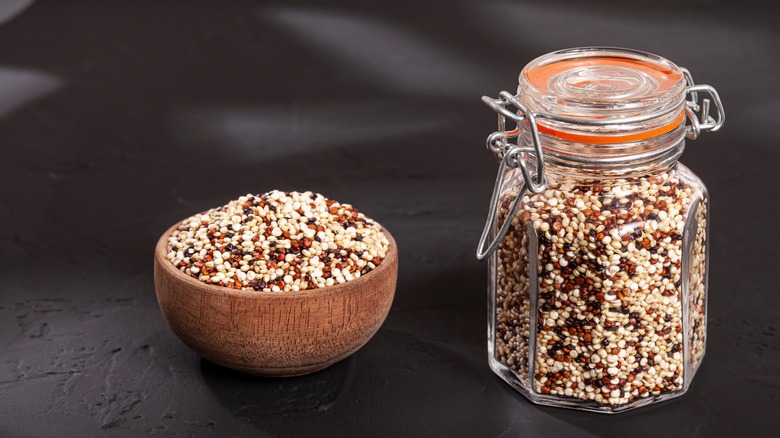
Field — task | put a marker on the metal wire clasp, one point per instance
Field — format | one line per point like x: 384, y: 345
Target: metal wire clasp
x: 701, y: 122
x: 510, y: 156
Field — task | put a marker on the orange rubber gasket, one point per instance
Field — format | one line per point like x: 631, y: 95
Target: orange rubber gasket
x: 612, y: 139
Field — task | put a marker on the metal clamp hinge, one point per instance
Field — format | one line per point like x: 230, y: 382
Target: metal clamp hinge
x: 699, y: 114
x: 510, y: 156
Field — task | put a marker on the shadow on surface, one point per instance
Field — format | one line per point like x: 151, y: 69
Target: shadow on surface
x: 265, y: 400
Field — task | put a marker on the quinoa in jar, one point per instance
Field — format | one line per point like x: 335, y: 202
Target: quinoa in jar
x: 598, y: 235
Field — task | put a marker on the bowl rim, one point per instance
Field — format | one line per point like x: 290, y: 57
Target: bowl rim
x: 161, y: 259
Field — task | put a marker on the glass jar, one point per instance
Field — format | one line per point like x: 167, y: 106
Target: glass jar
x: 597, y: 236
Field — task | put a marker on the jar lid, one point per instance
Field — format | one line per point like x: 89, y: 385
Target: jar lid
x: 604, y: 95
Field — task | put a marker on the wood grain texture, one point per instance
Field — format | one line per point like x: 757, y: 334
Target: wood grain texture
x: 274, y: 333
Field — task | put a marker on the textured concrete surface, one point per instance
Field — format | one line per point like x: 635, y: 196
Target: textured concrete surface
x: 117, y: 119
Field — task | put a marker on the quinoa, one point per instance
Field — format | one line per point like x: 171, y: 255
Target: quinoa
x: 278, y: 242
x: 590, y: 286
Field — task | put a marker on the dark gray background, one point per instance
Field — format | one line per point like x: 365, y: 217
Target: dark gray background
x: 119, y: 118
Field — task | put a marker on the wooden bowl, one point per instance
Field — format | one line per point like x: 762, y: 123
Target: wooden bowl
x: 274, y: 333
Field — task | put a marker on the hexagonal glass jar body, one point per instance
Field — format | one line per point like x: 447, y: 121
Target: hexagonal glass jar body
x: 598, y: 289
